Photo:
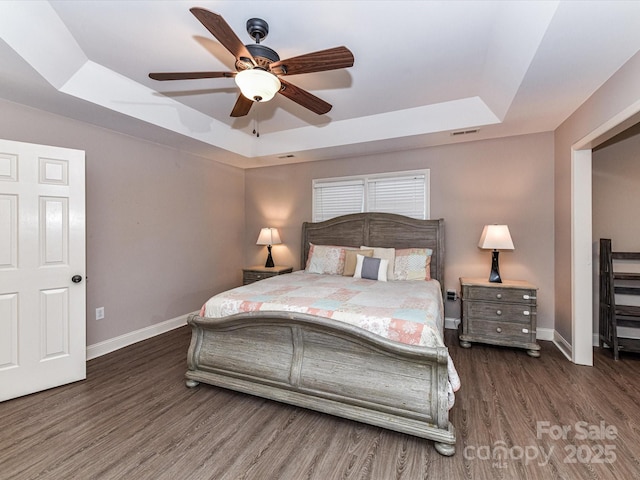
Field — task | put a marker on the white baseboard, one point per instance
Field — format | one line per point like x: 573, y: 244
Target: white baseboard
x: 625, y: 332
x: 113, y: 344
x: 451, y: 323
x: 564, y: 346
x: 546, y: 334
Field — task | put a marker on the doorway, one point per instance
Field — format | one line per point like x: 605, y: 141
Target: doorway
x: 581, y: 231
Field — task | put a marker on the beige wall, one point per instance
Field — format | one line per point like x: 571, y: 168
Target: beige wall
x: 616, y: 199
x: 506, y: 180
x: 160, y: 224
x: 612, y: 100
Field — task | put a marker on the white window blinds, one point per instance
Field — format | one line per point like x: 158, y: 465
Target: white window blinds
x: 404, y: 193
x: 332, y: 199
x: 401, y: 195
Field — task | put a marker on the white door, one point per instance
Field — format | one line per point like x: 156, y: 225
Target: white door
x: 42, y: 249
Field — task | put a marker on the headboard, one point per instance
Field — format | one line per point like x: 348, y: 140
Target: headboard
x: 379, y: 230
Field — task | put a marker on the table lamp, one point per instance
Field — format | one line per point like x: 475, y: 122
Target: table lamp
x: 269, y: 236
x: 495, y: 237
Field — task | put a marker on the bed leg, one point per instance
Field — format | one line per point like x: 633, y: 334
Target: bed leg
x: 192, y: 383
x: 445, y: 449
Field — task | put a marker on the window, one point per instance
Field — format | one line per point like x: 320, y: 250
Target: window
x: 404, y: 193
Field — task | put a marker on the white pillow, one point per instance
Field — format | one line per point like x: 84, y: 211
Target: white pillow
x: 371, y: 268
x: 389, y: 254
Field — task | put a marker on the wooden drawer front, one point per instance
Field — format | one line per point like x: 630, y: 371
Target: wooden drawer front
x: 509, y: 295
x: 250, y: 277
x: 516, y: 332
x: 500, y: 312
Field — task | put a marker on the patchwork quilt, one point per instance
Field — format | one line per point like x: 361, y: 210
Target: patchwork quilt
x: 409, y: 312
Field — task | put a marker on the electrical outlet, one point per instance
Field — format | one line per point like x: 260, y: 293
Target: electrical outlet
x: 99, y: 313
x: 452, y: 295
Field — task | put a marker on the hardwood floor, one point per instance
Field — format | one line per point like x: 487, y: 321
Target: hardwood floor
x: 516, y: 417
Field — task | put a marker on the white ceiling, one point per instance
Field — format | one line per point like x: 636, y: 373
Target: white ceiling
x: 423, y: 69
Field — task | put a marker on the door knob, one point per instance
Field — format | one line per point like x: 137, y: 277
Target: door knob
x: 76, y: 279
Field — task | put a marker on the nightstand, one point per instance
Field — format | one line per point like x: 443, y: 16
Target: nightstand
x: 499, y: 314
x: 255, y: 273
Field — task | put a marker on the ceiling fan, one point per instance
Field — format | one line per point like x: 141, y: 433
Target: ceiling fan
x: 259, y: 70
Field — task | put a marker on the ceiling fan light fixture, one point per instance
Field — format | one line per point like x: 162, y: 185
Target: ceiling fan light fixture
x: 257, y: 84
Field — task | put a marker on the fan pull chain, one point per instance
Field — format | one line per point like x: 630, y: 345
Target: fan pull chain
x: 256, y: 127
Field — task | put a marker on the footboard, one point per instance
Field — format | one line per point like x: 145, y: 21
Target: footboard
x: 327, y: 366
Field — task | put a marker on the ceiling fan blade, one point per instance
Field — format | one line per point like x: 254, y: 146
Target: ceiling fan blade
x: 304, y: 98
x: 242, y: 106
x: 330, y: 59
x: 190, y: 75
x: 220, y: 29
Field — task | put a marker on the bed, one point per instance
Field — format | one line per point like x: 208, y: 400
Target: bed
x: 325, y: 364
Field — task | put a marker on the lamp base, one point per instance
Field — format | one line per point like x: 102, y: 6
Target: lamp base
x: 494, y: 276
x: 269, y: 263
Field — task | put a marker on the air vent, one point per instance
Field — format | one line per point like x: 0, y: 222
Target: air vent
x: 464, y: 132
x: 289, y: 155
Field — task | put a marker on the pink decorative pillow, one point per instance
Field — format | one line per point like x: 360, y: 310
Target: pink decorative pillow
x: 413, y: 264
x: 326, y: 259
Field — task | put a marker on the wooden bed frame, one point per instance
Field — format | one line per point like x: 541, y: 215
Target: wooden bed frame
x: 325, y: 365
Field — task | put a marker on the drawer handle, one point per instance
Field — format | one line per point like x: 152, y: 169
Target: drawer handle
x: 498, y: 312
x: 499, y: 330
x: 526, y: 313
x: 525, y: 297
x: 498, y: 296
x: 525, y: 330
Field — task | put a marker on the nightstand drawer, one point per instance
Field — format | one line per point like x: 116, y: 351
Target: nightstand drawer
x: 509, y: 295
x: 502, y: 312
x: 516, y: 332
x: 257, y: 273
x: 250, y: 277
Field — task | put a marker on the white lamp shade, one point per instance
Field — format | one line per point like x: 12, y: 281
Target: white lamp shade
x: 257, y: 84
x: 496, y: 237
x: 268, y: 236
